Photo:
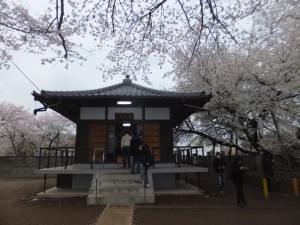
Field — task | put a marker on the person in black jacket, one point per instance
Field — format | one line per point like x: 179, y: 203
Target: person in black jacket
x: 136, y: 154
x: 237, y: 175
x: 147, y: 161
x: 268, y: 163
x: 220, y: 166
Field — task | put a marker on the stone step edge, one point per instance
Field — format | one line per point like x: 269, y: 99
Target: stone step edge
x: 120, y: 195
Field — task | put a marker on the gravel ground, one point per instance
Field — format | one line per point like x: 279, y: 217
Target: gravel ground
x: 18, y: 206
x: 212, y: 209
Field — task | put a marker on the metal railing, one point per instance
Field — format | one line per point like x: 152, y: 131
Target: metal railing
x: 180, y: 155
x: 187, y: 155
x: 65, y: 156
x: 59, y: 156
x: 101, y: 158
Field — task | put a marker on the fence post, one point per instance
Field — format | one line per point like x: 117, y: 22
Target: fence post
x: 265, y: 187
x: 48, y: 161
x: 295, y: 185
x: 40, y: 158
x: 45, y: 182
x: 66, y: 158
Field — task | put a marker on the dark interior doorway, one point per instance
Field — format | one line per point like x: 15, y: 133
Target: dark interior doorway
x: 120, y: 131
x: 115, y: 133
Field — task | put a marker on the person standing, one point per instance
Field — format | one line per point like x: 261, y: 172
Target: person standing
x: 237, y: 175
x: 125, y: 146
x: 268, y: 163
x: 135, y: 144
x: 219, y: 165
x: 147, y: 161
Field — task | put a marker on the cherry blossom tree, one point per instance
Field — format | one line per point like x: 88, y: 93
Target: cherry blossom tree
x: 21, y: 133
x: 255, y: 84
x: 55, y: 130
x: 127, y: 33
x: 16, y: 129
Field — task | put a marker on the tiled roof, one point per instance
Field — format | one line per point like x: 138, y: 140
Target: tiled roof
x: 126, y: 88
x: 68, y: 103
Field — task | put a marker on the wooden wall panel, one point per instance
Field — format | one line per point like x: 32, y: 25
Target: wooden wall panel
x: 82, y: 140
x: 151, y: 136
x: 151, y: 126
x: 166, y: 141
x: 97, y: 139
x: 149, y: 139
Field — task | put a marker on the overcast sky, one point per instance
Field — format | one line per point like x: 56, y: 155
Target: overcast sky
x: 16, y: 88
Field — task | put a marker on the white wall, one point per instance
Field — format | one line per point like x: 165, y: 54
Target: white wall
x: 92, y: 113
x: 157, y: 113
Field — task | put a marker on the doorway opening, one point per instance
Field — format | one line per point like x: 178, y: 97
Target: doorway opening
x: 115, y: 133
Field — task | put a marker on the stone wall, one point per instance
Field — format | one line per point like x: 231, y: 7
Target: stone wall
x: 19, y: 167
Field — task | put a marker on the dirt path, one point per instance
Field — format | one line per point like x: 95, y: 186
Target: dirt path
x: 17, y: 207
x: 279, y: 209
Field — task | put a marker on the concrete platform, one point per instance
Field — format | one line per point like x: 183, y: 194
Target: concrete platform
x: 161, y: 171
x: 111, y: 168
x: 62, y: 193
x: 181, y: 189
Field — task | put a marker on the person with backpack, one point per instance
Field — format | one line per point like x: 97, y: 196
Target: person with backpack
x: 147, y: 161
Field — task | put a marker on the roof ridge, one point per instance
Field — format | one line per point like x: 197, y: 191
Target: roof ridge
x: 124, y: 86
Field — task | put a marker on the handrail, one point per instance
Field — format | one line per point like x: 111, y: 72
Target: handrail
x: 97, y: 176
x: 65, y: 154
x: 101, y: 150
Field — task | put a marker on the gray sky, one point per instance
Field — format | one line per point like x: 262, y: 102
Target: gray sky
x: 16, y: 88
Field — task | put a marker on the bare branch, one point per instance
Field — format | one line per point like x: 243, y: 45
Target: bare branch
x: 16, y: 29
x: 59, y: 24
x: 217, y: 141
x: 152, y: 10
x: 112, y: 16
x: 186, y: 16
x: 265, y: 84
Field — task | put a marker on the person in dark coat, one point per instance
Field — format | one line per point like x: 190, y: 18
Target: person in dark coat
x: 237, y: 175
x: 136, y: 155
x: 147, y: 161
x: 220, y: 166
x: 267, y: 164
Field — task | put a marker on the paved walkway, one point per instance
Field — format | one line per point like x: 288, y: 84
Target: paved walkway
x: 116, y: 215
x: 123, y: 215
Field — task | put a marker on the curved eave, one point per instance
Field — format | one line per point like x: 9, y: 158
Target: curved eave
x: 69, y: 106
x: 68, y: 103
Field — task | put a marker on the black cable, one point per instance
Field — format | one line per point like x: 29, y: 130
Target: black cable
x: 25, y: 75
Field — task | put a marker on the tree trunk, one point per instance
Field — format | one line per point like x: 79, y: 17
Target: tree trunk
x: 285, y: 157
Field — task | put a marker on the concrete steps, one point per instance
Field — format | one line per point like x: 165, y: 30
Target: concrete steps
x: 119, y: 189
